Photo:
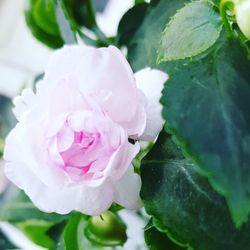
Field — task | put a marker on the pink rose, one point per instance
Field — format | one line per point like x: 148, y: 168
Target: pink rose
x: 70, y: 149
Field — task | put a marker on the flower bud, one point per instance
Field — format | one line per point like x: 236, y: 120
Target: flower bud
x: 242, y: 12
x: 106, y: 230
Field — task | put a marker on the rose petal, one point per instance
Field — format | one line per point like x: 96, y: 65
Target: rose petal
x: 151, y: 82
x: 87, y: 200
x: 112, y: 75
x: 128, y: 190
x: 24, y: 103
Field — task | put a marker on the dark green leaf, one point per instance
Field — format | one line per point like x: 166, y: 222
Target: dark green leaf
x: 130, y: 22
x: 206, y: 106
x: 193, y: 30
x: 156, y: 240
x: 185, y: 206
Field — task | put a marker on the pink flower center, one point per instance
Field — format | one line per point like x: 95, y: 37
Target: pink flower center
x: 83, y: 155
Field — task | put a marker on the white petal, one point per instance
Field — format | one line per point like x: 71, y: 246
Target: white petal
x: 24, y: 103
x: 128, y: 190
x: 151, y: 82
x: 88, y: 200
x: 103, y: 73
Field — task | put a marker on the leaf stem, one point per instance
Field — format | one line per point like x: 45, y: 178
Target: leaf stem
x: 223, y: 11
x: 100, y: 35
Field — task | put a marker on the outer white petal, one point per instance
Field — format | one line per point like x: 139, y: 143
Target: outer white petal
x: 103, y: 73
x: 128, y: 190
x: 24, y: 103
x: 151, y: 82
x: 88, y: 200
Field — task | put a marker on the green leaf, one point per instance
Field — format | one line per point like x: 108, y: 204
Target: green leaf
x: 193, y: 30
x: 40, y: 34
x: 64, y: 22
x: 206, y: 106
x: 156, y: 240
x: 70, y: 236
x: 20, y: 209
x: 142, y: 48
x: 185, y: 206
x: 43, y: 12
x: 130, y: 23
x: 36, y: 231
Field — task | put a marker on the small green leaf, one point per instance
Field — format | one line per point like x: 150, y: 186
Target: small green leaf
x: 43, y: 12
x: 36, y: 231
x: 40, y: 34
x: 143, y: 45
x: 193, y: 30
x: 70, y: 236
x: 206, y: 106
x: 184, y: 205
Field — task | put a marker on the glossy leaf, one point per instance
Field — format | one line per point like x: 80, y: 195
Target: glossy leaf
x: 206, y: 106
x: 157, y: 240
x: 194, y: 29
x: 185, y: 206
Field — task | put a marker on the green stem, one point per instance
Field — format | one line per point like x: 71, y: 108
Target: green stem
x: 223, y: 11
x: 100, y: 35
x: 86, y: 39
x: 91, y: 13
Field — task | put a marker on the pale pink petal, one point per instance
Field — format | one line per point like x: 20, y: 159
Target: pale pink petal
x: 121, y: 160
x: 88, y: 200
x: 136, y: 126
x: 112, y: 74
x: 128, y: 190
x: 65, y: 138
x: 151, y: 82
